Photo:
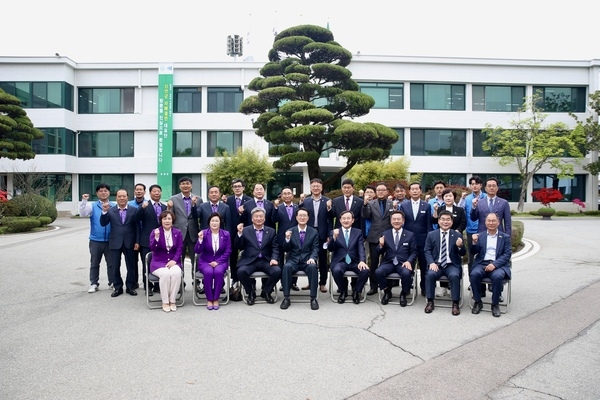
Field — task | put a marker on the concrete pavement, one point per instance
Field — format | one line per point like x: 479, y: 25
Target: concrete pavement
x: 59, y: 342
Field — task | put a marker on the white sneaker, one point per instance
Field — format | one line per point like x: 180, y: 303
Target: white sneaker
x: 440, y: 291
x: 93, y: 289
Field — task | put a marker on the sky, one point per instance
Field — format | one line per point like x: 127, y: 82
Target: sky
x: 189, y: 30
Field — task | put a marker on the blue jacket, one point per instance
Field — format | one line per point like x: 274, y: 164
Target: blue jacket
x: 472, y: 226
x: 98, y: 233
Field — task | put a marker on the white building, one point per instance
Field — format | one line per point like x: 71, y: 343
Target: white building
x: 101, y: 119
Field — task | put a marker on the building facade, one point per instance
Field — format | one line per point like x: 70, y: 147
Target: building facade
x: 100, y: 119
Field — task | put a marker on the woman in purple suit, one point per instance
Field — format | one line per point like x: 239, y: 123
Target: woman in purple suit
x: 213, y: 249
x: 166, y: 244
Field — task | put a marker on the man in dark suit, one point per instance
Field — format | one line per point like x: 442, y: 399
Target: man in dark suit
x: 399, y: 253
x: 347, y: 246
x: 346, y: 202
x: 301, y: 242
x: 236, y: 208
x: 260, y: 253
x: 284, y: 216
x: 259, y: 201
x: 493, y: 249
x: 213, y: 205
x: 492, y: 204
x: 417, y: 219
x: 319, y: 218
x: 443, y: 251
x: 123, y: 228
x: 378, y: 212
x: 148, y: 215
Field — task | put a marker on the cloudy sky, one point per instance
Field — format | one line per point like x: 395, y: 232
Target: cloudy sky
x: 187, y: 30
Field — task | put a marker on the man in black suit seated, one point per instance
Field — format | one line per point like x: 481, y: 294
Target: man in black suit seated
x: 399, y: 253
x: 284, y: 216
x: 260, y: 253
x: 148, y: 215
x: 301, y: 242
x: 123, y: 229
x: 443, y: 251
x: 348, y: 247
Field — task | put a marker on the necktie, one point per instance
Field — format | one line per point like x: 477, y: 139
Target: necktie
x: 238, y: 202
x: 188, y: 205
x: 347, y: 203
x: 444, y: 252
x: 302, y: 236
x: 214, y: 208
x: 347, y: 237
x: 259, y: 203
x: 491, y: 203
x: 157, y: 210
x: 381, y: 208
x: 289, y: 211
x: 122, y: 212
x: 396, y: 241
x: 259, y: 236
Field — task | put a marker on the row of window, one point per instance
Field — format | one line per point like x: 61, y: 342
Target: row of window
x: 510, y: 185
x: 423, y: 96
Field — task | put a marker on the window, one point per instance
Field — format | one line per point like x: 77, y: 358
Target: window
x: 223, y: 141
x: 428, y: 180
x: 106, y: 144
x: 398, y: 147
x: 573, y: 188
x: 41, y: 94
x: 187, y: 100
x: 431, y: 96
x: 106, y: 101
x: 186, y: 144
x: 292, y: 179
x: 55, y: 141
x: 386, y: 95
x: 509, y: 187
x: 58, y: 187
x: 561, y: 99
x: 328, y: 151
x: 438, y: 142
x: 222, y: 100
x: 478, y: 138
x: 498, y: 98
x: 88, y: 183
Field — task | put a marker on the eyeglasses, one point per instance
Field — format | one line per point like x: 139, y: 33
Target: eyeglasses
x: 237, y: 186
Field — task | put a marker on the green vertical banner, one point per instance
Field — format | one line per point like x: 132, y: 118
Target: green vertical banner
x: 165, y: 130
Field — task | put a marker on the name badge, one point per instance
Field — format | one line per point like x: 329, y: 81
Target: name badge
x: 404, y: 244
x: 422, y: 211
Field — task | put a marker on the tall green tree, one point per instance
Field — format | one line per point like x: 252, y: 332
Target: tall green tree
x: 531, y: 144
x: 246, y: 164
x: 591, y: 127
x: 16, y: 129
x: 306, y: 98
x: 373, y: 171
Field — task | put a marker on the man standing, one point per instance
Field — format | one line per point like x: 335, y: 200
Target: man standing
x: 148, y: 215
x: 444, y: 250
x: 346, y: 202
x: 139, y: 193
x: 213, y: 205
x: 301, y: 242
x: 236, y: 203
x: 378, y: 212
x: 284, y: 216
x: 417, y: 220
x: 492, y: 204
x: 121, y: 240
x: 438, y: 200
x: 493, y: 249
x: 319, y: 218
x: 259, y: 201
x: 260, y: 253
x: 399, y: 195
x: 347, y: 246
x: 399, y: 250
x: 99, y: 235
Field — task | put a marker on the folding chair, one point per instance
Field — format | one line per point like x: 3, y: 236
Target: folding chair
x: 506, y: 293
x: 258, y: 275
x: 200, y: 299
x: 413, y: 287
x: 446, y: 300
x: 151, y: 278
x: 347, y: 274
x: 304, y: 295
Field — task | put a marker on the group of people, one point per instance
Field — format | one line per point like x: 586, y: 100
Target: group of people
x: 372, y: 234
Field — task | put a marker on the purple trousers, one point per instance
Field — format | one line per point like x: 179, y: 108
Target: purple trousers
x: 213, y: 280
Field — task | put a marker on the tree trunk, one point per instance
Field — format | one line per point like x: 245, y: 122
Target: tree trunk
x: 523, y: 194
x: 335, y: 177
x: 314, y: 170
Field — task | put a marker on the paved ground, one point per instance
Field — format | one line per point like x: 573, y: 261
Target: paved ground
x: 59, y: 342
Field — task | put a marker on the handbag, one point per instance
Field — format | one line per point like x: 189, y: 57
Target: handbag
x: 235, y: 292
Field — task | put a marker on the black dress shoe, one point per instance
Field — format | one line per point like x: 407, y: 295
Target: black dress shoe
x: 295, y: 288
x: 251, y: 298
x: 496, y: 310
x: 136, y: 285
x: 356, y: 297
x: 150, y: 293
x: 314, y: 304
x: 131, y: 292
x: 372, y: 291
x: 403, y: 301
x: 116, y: 292
x: 342, y: 297
x: 387, y: 295
x: 269, y: 298
x: 429, y: 307
x: 477, y: 307
x: 455, y: 309
x: 285, y: 303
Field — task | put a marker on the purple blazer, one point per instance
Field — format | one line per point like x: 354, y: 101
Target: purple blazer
x: 205, y: 251
x: 160, y: 255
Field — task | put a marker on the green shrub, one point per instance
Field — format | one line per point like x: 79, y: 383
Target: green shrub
x: 22, y: 224
x: 12, y: 209
x: 34, y: 205
x: 562, y: 214
x: 518, y: 230
x: 537, y: 214
x: 592, y: 212
x: 45, y: 221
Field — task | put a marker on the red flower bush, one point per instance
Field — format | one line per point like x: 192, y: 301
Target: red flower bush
x: 3, y: 196
x: 547, y: 196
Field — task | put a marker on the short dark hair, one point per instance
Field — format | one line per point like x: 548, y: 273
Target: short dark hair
x: 348, y: 181
x: 492, y: 179
x: 399, y: 186
x: 397, y: 212
x: 237, y: 180
x: 213, y: 186
x: 184, y: 179
x: 215, y: 214
x: 413, y: 184
x: 165, y: 213
x: 439, y: 183
x: 445, y: 212
x: 448, y: 190
x: 476, y: 178
x: 102, y: 186
x: 154, y: 186
x: 286, y: 187
x: 261, y: 184
x: 316, y: 180
x: 346, y: 212
x: 303, y: 209
x: 140, y: 184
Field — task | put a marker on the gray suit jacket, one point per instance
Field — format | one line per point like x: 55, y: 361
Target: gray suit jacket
x: 187, y: 224
x: 379, y: 223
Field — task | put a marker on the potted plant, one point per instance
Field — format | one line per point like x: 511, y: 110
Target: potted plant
x: 547, y: 196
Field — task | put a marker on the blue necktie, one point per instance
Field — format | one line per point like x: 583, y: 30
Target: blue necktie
x: 347, y: 237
